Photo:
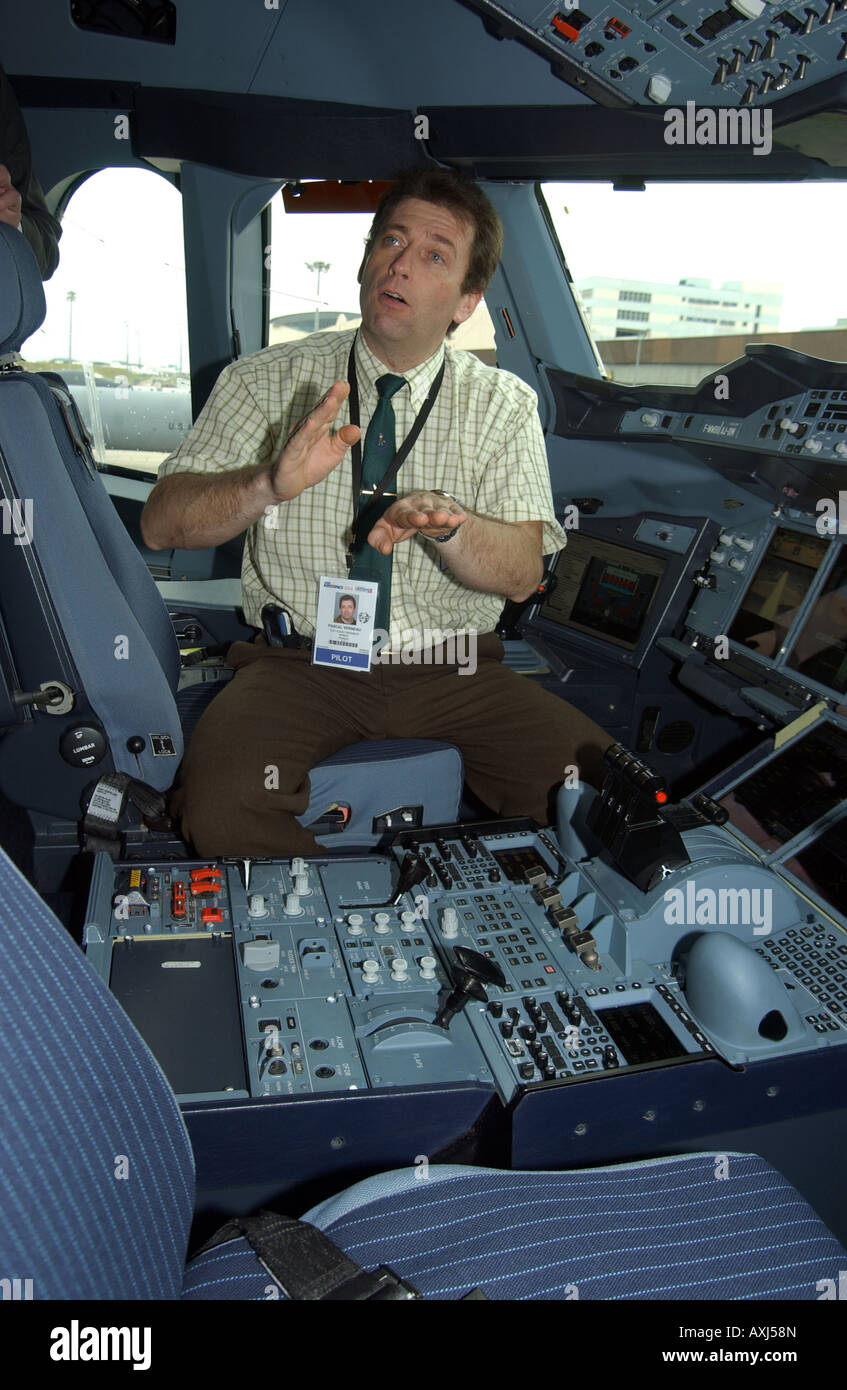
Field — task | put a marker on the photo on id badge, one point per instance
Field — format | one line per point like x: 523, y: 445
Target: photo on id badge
x: 344, y: 625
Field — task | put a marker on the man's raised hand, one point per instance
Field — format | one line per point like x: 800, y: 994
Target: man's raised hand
x: 311, y: 450
x: 10, y: 199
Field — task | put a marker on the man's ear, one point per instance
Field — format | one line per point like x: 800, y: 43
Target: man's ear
x: 466, y: 305
x: 362, y: 268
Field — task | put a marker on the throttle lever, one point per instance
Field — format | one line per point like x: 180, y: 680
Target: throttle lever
x: 474, y: 973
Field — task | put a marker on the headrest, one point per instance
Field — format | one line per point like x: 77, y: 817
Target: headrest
x: 22, y: 306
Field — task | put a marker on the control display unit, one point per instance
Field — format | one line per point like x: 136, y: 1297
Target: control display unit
x: 603, y: 589
x: 615, y: 584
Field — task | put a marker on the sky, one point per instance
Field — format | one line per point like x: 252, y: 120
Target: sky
x: 122, y: 255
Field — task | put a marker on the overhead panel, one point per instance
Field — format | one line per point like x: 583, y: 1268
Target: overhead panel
x: 743, y: 53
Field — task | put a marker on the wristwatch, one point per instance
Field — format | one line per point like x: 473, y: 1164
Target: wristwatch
x: 439, y: 540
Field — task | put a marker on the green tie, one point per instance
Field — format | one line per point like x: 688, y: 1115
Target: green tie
x: 377, y: 455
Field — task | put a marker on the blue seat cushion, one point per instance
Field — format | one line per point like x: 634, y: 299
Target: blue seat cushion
x: 667, y: 1228
x: 373, y: 777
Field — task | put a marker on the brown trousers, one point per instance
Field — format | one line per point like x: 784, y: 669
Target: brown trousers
x: 279, y: 711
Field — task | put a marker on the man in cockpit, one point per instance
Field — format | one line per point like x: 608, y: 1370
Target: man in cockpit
x: 462, y: 526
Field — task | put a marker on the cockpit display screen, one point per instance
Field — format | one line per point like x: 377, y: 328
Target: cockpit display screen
x: 785, y: 795
x: 820, y: 649
x: 778, y: 587
x: 603, y: 589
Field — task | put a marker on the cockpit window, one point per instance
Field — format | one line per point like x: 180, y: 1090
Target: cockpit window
x: 314, y: 259
x: 116, y: 326
x: 675, y: 280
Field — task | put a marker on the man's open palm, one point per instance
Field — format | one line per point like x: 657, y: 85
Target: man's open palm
x: 311, y: 450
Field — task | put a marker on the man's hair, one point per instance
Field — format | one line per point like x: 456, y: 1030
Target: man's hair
x: 464, y: 199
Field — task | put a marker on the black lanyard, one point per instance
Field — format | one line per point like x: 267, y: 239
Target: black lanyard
x: 402, y: 453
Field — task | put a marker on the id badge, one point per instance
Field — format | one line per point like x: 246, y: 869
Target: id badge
x: 344, y: 625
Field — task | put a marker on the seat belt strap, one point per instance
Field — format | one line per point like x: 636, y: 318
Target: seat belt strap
x: 103, y: 805
x: 308, y: 1265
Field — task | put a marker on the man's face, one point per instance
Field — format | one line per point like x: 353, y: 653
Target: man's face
x: 347, y: 608
x: 412, y: 282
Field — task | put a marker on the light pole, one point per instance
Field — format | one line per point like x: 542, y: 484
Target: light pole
x: 70, y: 296
x: 639, y: 341
x: 318, y: 268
